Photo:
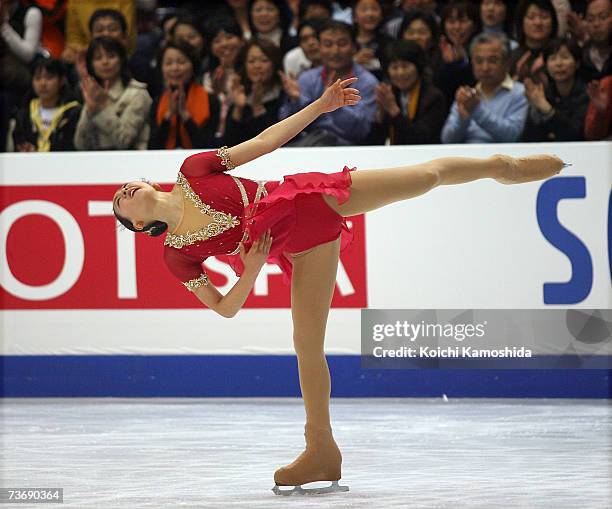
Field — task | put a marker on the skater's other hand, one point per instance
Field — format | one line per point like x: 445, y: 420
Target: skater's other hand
x: 337, y: 95
x: 254, y: 259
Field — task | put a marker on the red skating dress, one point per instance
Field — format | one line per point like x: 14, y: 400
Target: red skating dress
x: 243, y: 209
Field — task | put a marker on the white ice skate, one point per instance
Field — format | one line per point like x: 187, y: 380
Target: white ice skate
x: 298, y: 490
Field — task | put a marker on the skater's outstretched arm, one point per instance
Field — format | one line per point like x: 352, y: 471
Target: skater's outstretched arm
x: 229, y: 304
x: 275, y: 136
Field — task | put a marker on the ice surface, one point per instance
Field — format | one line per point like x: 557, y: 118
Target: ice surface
x: 222, y: 453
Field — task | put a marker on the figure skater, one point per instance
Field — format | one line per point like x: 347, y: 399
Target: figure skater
x: 299, y: 224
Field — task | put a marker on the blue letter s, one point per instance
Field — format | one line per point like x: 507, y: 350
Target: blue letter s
x: 579, y: 286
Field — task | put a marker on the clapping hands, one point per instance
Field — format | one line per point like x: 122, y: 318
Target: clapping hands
x: 523, y: 70
x: 534, y: 91
x: 385, y: 100
x: 467, y: 99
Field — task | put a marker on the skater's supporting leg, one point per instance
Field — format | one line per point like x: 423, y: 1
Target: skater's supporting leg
x: 372, y: 189
x: 312, y: 288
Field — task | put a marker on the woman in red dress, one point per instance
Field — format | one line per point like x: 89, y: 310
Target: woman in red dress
x: 299, y: 224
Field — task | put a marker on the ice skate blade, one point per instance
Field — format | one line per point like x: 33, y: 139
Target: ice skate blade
x: 298, y: 490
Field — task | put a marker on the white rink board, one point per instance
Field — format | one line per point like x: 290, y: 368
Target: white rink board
x: 477, y: 245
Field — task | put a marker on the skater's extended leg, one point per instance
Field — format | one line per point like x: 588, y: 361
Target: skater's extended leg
x: 312, y: 288
x: 372, y: 189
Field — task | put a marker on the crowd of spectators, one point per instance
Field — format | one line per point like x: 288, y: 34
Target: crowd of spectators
x: 138, y: 74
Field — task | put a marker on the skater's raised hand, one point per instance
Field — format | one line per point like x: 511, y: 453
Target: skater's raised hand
x: 254, y: 259
x: 338, y: 95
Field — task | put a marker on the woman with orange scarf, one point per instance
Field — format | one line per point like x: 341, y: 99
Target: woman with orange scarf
x: 185, y: 115
x: 410, y: 109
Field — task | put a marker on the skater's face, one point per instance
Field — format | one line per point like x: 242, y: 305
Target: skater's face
x: 489, y: 63
x: 259, y: 67
x: 134, y: 202
x: 403, y: 74
x: 176, y: 67
x: 562, y: 65
x: 419, y: 32
x: 336, y: 49
x: 46, y: 86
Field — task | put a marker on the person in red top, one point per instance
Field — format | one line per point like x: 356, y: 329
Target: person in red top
x: 298, y: 223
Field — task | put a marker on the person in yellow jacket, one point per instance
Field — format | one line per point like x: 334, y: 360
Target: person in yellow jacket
x: 78, y: 29
x: 48, y: 121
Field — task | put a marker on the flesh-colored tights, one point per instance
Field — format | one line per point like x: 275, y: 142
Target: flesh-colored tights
x: 314, y: 272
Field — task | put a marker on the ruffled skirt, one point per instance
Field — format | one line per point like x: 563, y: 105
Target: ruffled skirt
x: 298, y: 217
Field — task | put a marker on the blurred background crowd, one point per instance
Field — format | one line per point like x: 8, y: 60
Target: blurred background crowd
x: 128, y: 74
